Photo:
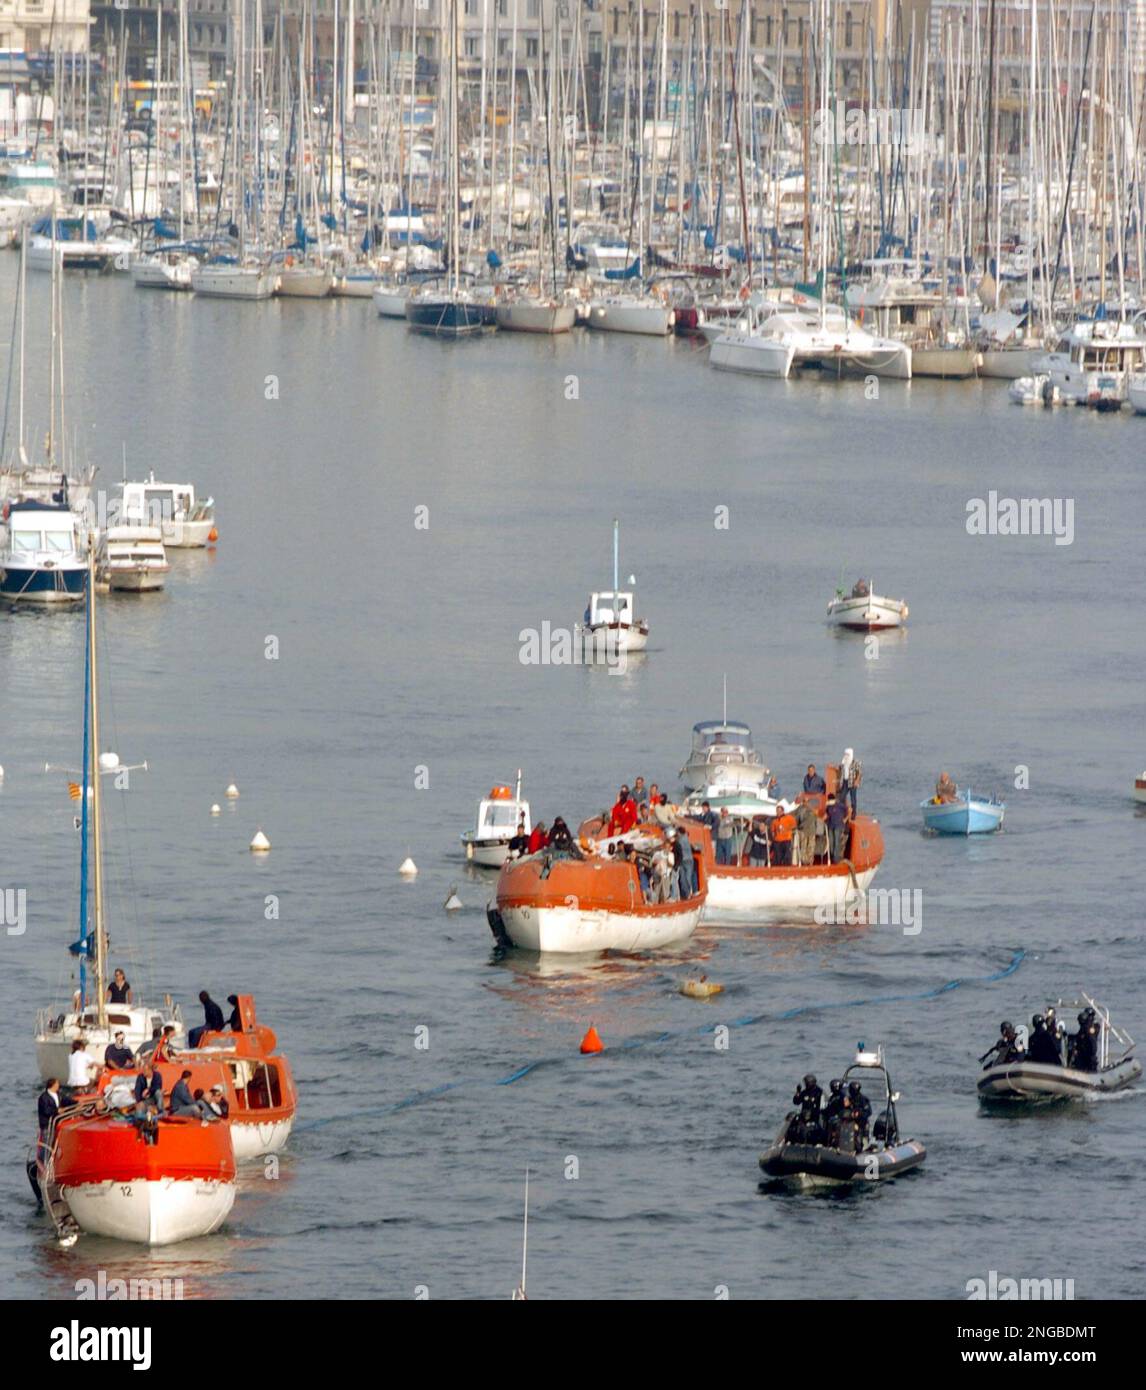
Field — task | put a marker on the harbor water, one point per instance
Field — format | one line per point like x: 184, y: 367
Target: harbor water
x: 396, y: 515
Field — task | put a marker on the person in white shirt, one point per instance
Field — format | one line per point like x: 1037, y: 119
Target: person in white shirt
x: 80, y: 1068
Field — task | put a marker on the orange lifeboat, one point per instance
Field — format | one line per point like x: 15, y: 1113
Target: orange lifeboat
x: 110, y: 1177
x: 594, y: 900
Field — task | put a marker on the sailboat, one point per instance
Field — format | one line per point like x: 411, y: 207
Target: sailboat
x: 451, y: 312
x: 91, y: 1019
x: 610, y: 624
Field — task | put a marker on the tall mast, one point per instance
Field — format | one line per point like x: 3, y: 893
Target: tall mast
x: 616, y: 555
x: 97, y: 859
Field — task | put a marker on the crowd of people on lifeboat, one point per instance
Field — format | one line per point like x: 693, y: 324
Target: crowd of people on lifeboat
x: 140, y: 1102
x: 814, y: 829
x: 842, y: 1122
x: 1048, y: 1042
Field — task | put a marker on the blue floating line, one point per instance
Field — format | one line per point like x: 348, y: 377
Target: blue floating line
x: 631, y: 1044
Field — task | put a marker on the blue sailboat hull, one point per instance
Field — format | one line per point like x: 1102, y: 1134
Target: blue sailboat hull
x: 445, y: 317
x: 966, y: 816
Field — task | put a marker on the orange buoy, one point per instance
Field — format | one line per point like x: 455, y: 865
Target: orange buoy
x: 212, y: 535
x: 591, y: 1042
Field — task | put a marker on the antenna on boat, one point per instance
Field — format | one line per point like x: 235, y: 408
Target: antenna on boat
x: 517, y: 796
x: 519, y: 1295
x: 725, y: 697
x: 616, y: 556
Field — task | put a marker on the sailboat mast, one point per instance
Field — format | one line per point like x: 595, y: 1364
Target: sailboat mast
x: 616, y: 556
x: 97, y: 857
x: 525, y: 1234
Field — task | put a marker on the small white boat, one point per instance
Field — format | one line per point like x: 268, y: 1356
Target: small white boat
x: 487, y: 844
x: 132, y: 559
x: 1034, y: 390
x: 1136, y: 392
x: 722, y: 756
x: 390, y: 299
x: 745, y: 347
x: 1140, y: 788
x: 224, y: 280
x: 863, y: 610
x: 183, y: 522
x: 1094, y: 362
x: 609, y: 626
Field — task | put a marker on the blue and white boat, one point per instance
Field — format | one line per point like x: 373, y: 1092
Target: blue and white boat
x: 41, y: 561
x: 968, y: 814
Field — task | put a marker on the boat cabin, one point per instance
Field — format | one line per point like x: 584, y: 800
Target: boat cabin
x: 722, y: 741
x: 609, y: 609
x: 499, y: 813
x: 39, y: 530
x: 151, y: 503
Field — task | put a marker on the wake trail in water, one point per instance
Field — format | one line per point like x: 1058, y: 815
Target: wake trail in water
x: 632, y: 1044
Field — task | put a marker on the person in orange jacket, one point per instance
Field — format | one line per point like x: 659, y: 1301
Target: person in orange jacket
x: 783, y: 828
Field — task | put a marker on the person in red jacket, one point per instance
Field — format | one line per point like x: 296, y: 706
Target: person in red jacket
x: 623, y: 816
x: 538, y: 838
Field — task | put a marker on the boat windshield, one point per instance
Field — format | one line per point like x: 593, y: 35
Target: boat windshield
x: 723, y: 735
x: 27, y: 542
x: 501, y: 815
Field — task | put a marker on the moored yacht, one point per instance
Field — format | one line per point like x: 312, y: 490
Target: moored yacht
x: 227, y: 278
x: 498, y: 814
x: 1094, y: 362
x: 610, y: 625
x: 723, y: 755
x: 183, y: 522
x: 132, y: 560
x: 42, y: 561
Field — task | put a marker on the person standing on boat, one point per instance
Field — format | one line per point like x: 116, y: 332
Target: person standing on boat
x: 861, y: 1108
x: 235, y: 1022
x: 48, y: 1106
x: 813, y: 782
x: 652, y: 801
x: 783, y: 828
x: 1084, y: 1044
x: 519, y: 844
x: 1041, y: 1046
x: 806, y: 823
x: 725, y: 837
x: 686, y: 867
x: 212, y: 1019
x: 709, y: 818
x: 756, y: 845
x: 119, y: 991
x: 640, y: 794
x: 832, y: 1113
x: 850, y: 774
x: 837, y: 818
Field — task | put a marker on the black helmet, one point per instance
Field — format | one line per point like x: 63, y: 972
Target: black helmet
x: 1007, y: 1029
x: 809, y: 1080
x: 1050, y: 1015
x: 1037, y: 1021
x: 834, y: 1086
x: 853, y: 1088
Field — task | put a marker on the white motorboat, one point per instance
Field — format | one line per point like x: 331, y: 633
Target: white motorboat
x: 723, y: 756
x: 41, y: 561
x: 1136, y: 392
x: 1094, y: 362
x: 1009, y: 1074
x: 230, y: 280
x: 132, y: 559
x: 744, y: 346
x: 627, y: 313
x: 163, y: 270
x: 610, y: 626
x: 184, y: 523
x: 1140, y: 788
x: 896, y: 303
x: 498, y: 814
x: 390, y: 299
x: 863, y: 610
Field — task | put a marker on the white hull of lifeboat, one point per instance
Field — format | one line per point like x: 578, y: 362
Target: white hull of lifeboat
x: 780, y: 890
x: 155, y: 1212
x: 573, y: 931
x: 254, y: 1138
x: 1045, y: 1080
x: 867, y: 613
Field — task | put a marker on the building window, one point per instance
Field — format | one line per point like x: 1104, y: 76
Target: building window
x: 531, y: 48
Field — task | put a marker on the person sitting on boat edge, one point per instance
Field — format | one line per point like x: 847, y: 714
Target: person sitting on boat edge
x: 212, y: 1019
x: 945, y: 789
x: 1006, y: 1048
x: 119, y: 991
x: 164, y: 1050
x: 519, y: 843
x: 182, y: 1101
x: 117, y: 1054
x: 204, y: 1108
x: 81, y: 1068
x: 148, y: 1091
x: 218, y: 1102
x: 538, y: 838
x: 623, y: 816
x: 813, y: 782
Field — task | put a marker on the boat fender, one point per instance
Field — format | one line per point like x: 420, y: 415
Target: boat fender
x: 289, y: 261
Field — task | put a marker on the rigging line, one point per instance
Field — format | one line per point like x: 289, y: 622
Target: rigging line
x: 632, y: 1044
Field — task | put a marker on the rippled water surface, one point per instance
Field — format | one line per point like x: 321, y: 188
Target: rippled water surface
x: 398, y: 650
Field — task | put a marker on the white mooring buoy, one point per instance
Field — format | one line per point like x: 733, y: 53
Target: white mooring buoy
x: 216, y: 809
x: 407, y: 868
x: 453, y: 902
x: 232, y: 791
x: 260, y: 844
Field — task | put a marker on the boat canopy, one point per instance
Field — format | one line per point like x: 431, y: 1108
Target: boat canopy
x: 717, y: 731
x: 609, y: 607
